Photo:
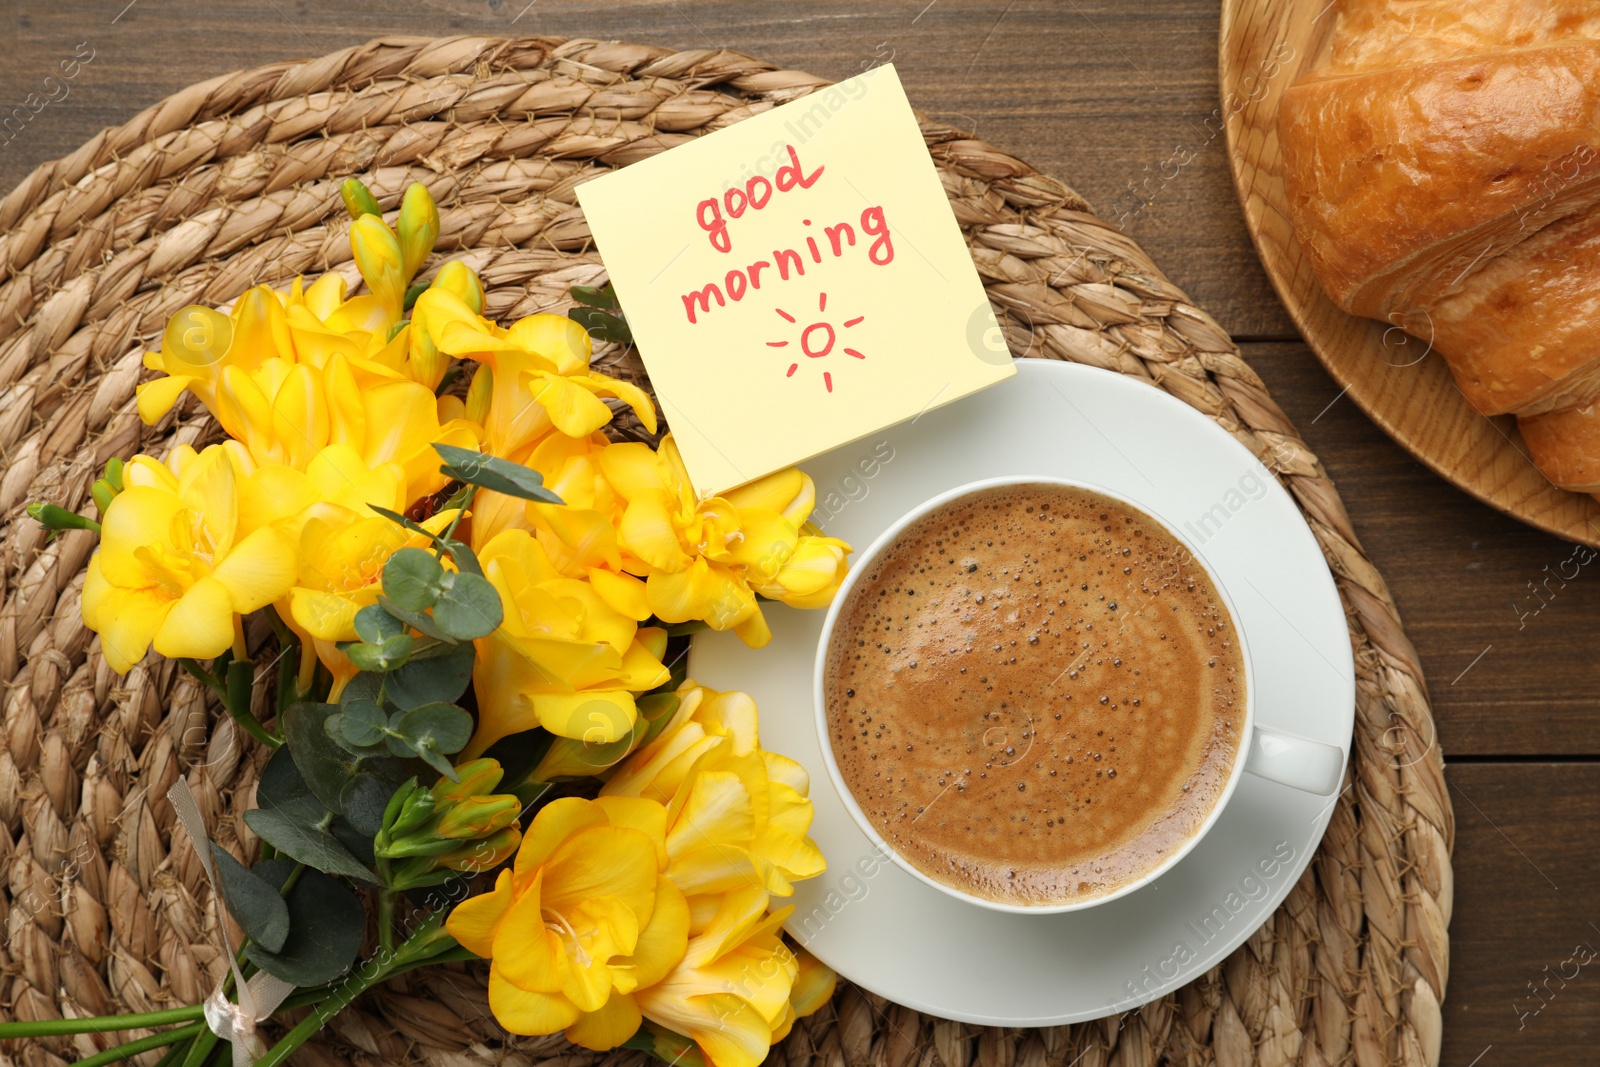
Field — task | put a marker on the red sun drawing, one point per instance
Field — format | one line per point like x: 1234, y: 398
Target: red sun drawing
x: 818, y: 339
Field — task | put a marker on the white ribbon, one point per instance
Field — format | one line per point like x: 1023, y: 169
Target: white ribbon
x: 261, y: 995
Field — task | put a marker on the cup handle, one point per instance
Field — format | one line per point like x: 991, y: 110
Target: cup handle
x: 1309, y: 766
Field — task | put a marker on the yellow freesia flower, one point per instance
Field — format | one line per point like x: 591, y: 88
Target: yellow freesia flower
x: 704, y: 720
x: 173, y: 567
x: 579, y: 535
x: 707, y: 559
x: 541, y: 378
x: 199, y: 344
x: 730, y: 992
x: 428, y: 364
x: 581, y: 921
x: 562, y: 659
x: 311, y: 324
x: 342, y: 551
x: 288, y: 413
x: 737, y: 814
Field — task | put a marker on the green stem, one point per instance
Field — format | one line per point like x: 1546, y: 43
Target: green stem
x: 237, y: 701
x: 203, y: 1044
x: 174, y: 1054
x: 422, y: 947
x: 386, y: 920
x: 349, y: 990
x: 204, y: 675
x: 144, y: 1044
x: 100, y: 1024
x: 460, y: 513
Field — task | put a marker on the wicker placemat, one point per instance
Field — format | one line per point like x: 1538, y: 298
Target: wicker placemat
x: 235, y: 181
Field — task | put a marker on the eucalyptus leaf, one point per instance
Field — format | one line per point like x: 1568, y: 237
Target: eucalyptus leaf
x: 444, y: 727
x: 326, y: 924
x: 359, y: 844
x: 363, y: 723
x: 374, y: 625
x: 468, y: 608
x: 253, y: 901
x: 313, y: 845
x: 280, y: 783
x: 493, y: 473
x: 416, y: 620
x: 602, y: 325
x: 600, y: 297
x: 323, y: 763
x: 412, y: 578
x: 438, y: 762
x: 334, y: 725
x: 364, y: 686
x: 386, y: 656
x: 438, y: 678
x: 466, y: 560
x: 363, y: 798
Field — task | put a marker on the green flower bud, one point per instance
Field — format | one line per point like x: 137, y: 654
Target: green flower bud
x: 484, y: 854
x: 478, y: 778
x: 475, y: 817
x: 113, y: 472
x: 417, y: 809
x: 53, y: 517
x: 103, y: 495
x: 358, y: 200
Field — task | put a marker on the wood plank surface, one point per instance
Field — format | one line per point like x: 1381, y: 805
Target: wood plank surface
x: 1113, y: 96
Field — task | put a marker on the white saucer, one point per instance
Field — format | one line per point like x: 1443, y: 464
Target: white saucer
x: 886, y: 931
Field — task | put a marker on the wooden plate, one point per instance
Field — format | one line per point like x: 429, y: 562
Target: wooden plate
x: 1403, y: 386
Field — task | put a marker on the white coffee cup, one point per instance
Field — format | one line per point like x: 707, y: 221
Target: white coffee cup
x: 1297, y: 762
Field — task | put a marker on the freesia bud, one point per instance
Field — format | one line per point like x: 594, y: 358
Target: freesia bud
x: 414, y: 811
x: 103, y: 494
x: 476, y: 817
x: 358, y: 200
x: 477, y: 778
x: 53, y: 517
x: 380, y: 261
x: 458, y: 278
x: 418, y: 225
x: 481, y: 855
x: 113, y: 472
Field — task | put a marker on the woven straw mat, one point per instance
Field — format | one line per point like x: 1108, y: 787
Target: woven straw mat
x: 235, y: 181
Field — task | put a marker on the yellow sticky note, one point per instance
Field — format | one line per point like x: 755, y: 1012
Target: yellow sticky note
x: 796, y: 281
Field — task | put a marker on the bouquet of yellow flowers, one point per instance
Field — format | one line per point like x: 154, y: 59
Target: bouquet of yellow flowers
x: 483, y: 602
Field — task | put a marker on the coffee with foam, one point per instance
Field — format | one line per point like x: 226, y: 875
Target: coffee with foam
x: 1035, y: 695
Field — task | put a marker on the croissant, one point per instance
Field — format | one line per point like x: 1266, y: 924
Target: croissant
x: 1442, y: 166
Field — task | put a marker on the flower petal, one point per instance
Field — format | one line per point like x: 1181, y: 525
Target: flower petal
x: 259, y: 570
x: 155, y: 398
x: 602, y: 861
x: 623, y: 593
x: 664, y: 939
x: 612, y: 1024
x: 555, y: 822
x: 200, y: 624
x: 573, y: 410
x: 594, y: 717
x: 531, y: 1014
x: 474, y: 921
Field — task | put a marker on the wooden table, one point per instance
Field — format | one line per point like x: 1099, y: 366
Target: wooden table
x: 1111, y: 96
